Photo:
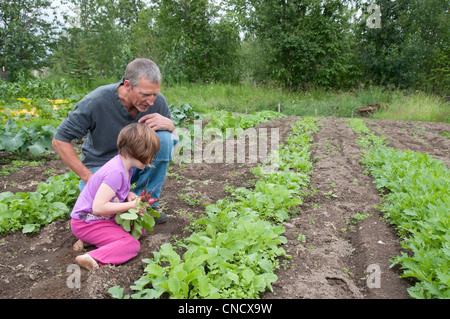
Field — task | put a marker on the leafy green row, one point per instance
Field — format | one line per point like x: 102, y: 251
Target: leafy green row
x: 235, y: 250
x: 223, y: 120
x: 418, y: 203
x: 36, y: 138
x: 29, y: 211
x: 222, y: 125
x: 367, y: 138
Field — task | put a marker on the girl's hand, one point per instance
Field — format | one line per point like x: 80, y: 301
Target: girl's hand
x: 141, y: 206
x: 131, y: 197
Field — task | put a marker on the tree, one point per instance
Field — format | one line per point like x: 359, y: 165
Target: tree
x: 304, y: 41
x: 429, y: 26
x: 27, y: 34
x: 96, y: 41
x: 189, y: 40
x: 192, y: 41
x: 411, y: 48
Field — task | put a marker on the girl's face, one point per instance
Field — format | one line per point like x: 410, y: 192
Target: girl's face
x: 139, y: 165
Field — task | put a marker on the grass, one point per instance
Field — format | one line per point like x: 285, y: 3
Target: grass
x: 397, y: 105
x: 417, y: 107
x: 245, y: 97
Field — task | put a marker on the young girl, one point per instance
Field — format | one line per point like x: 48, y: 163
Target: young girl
x: 108, y: 193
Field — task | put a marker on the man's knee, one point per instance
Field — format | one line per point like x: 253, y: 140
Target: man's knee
x: 167, y: 142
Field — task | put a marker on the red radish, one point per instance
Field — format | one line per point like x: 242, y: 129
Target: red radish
x: 146, y: 197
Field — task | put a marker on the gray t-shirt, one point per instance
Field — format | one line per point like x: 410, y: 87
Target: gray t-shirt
x: 100, y: 116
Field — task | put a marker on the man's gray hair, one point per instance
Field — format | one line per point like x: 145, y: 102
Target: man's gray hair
x: 142, y: 67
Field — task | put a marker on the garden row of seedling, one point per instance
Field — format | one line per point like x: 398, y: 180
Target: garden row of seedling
x: 235, y: 247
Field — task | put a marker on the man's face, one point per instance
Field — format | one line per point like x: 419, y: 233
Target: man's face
x: 144, y: 95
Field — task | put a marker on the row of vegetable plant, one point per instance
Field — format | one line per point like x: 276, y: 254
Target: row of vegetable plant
x: 29, y: 211
x: 26, y: 131
x: 234, y: 250
x: 29, y: 125
x: 9, y: 91
x: 222, y: 119
x: 53, y: 199
x: 35, y: 138
x: 415, y: 188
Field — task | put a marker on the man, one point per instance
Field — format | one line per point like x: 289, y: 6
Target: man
x: 104, y: 112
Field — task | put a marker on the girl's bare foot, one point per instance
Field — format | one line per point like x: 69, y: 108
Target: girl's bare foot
x: 78, y: 246
x: 86, y: 261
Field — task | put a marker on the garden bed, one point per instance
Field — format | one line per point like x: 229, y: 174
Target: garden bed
x: 332, y: 248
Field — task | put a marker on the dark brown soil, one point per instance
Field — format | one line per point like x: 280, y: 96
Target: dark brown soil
x: 331, y: 263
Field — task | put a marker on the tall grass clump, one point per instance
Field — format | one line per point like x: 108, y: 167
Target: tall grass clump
x: 246, y: 97
x: 416, y: 107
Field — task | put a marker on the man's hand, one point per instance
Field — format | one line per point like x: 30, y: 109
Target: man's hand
x: 158, y: 122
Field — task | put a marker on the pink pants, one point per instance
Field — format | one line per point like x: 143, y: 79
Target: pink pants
x: 114, y: 245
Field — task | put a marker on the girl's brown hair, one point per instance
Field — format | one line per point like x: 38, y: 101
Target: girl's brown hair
x: 139, y: 141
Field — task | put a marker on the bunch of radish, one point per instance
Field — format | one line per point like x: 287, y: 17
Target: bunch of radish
x: 147, y: 198
x: 133, y: 221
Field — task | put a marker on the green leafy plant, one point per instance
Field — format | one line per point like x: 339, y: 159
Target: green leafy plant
x: 35, y: 138
x: 234, y: 256
x: 417, y: 203
x: 367, y: 137
x: 184, y: 114
x: 29, y: 211
x: 270, y: 200
x: 236, y: 123
x: 135, y: 222
x: 416, y: 200
x: 234, y: 250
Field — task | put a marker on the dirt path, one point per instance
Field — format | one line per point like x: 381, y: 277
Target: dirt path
x: 330, y: 253
x: 333, y: 261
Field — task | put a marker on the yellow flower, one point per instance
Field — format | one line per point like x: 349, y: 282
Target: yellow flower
x: 32, y: 112
x: 24, y: 100
x: 58, y: 101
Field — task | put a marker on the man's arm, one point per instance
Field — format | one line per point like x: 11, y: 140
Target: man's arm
x: 69, y: 156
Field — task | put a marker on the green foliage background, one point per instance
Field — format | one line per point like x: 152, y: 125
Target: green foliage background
x: 293, y: 44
